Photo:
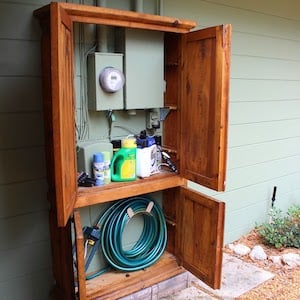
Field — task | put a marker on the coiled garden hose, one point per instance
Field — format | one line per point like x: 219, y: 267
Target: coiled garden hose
x: 151, y: 243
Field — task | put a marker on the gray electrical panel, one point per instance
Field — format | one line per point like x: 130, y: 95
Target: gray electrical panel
x: 143, y: 67
x: 85, y: 152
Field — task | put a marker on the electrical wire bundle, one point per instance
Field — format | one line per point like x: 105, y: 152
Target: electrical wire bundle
x: 151, y: 243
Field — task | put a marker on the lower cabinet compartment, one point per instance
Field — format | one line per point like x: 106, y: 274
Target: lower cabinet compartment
x: 116, y: 284
x: 195, y: 227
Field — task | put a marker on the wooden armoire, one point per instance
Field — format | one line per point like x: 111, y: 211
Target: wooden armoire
x: 195, y: 133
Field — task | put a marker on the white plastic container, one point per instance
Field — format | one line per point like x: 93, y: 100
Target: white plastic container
x: 146, y: 161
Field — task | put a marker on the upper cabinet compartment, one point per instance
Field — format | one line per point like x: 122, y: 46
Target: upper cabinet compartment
x: 197, y: 75
x: 204, y: 105
x: 57, y: 20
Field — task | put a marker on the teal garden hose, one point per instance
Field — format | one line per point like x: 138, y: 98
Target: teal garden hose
x: 150, y: 244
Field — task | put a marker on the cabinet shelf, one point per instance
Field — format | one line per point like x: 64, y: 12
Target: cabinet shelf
x: 119, y: 190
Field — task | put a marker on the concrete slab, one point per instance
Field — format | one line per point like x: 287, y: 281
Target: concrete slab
x: 191, y: 293
x: 238, y: 277
x: 161, y: 289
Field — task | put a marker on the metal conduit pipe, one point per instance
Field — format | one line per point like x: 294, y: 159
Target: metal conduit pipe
x: 159, y: 7
x: 102, y: 32
x: 139, y: 5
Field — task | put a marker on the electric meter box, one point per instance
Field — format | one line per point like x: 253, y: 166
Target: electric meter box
x: 143, y: 67
x: 98, y: 97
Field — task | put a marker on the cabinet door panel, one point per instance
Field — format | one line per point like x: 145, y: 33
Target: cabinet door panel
x: 63, y: 135
x: 200, y: 239
x: 204, y: 106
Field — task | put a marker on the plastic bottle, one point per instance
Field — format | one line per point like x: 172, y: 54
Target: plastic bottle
x: 117, y: 144
x: 123, y: 164
x: 107, y: 173
x: 146, y: 161
x: 98, y: 168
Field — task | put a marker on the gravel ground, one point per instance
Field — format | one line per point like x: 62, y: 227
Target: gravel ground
x: 284, y: 285
x: 286, y: 282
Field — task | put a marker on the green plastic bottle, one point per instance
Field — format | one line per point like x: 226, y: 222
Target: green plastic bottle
x: 123, y: 164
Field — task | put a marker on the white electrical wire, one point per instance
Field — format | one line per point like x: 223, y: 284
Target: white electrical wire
x: 85, y: 248
x: 82, y: 124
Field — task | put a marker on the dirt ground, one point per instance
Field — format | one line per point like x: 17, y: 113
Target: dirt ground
x: 286, y: 282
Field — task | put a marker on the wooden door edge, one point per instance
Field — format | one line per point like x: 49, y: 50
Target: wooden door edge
x: 79, y: 241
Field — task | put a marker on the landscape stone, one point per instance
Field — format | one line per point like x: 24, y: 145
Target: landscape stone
x: 258, y: 253
x: 291, y: 259
x: 276, y: 259
x: 241, y: 249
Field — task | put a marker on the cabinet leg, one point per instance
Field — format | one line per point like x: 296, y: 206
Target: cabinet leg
x: 62, y: 261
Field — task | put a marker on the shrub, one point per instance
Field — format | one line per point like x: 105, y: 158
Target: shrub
x: 283, y: 230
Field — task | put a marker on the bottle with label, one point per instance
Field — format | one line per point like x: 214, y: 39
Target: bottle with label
x: 98, y: 168
x: 123, y: 164
x: 107, y: 173
x: 146, y: 161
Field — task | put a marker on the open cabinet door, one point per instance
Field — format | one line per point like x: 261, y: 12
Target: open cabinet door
x: 58, y: 95
x: 200, y: 235
x: 204, y: 105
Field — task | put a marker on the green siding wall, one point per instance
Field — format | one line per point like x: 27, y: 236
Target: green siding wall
x: 264, y: 115
x: 25, y: 256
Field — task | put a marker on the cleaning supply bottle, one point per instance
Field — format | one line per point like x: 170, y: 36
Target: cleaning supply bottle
x: 107, y: 175
x: 146, y: 157
x: 123, y: 164
x: 98, y: 168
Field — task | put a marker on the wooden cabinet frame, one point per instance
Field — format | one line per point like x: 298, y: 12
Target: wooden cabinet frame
x: 195, y: 132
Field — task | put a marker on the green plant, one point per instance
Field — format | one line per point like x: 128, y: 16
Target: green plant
x: 283, y: 230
